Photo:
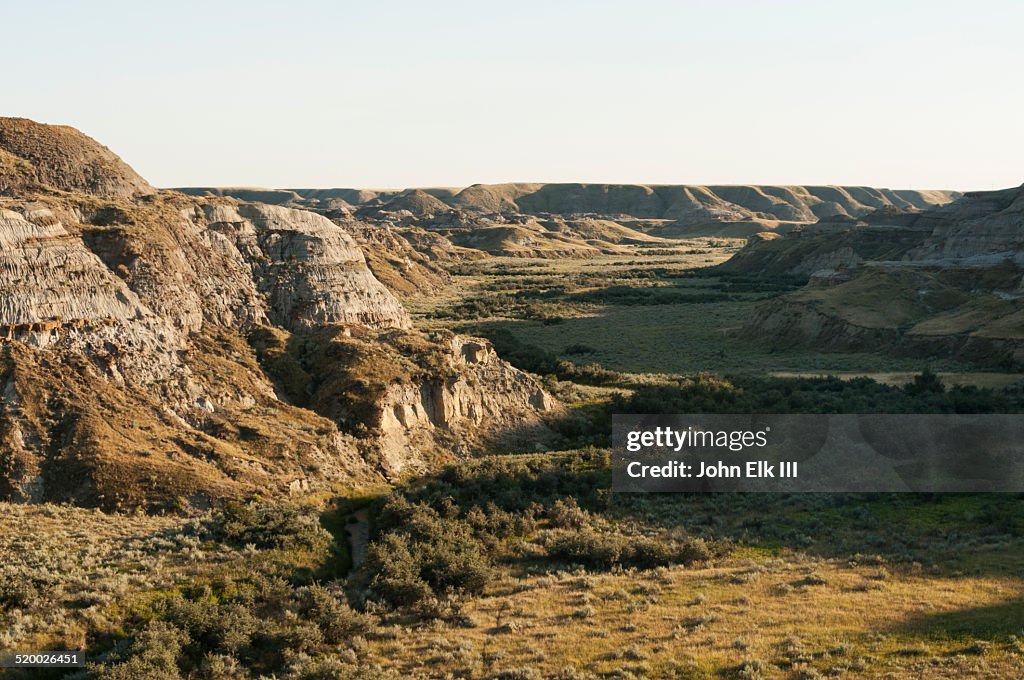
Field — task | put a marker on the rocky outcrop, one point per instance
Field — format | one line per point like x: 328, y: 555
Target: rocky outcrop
x: 944, y: 282
x: 310, y: 269
x: 408, y: 261
x: 184, y: 272
x: 827, y: 245
x: 412, y: 395
x: 794, y: 322
x: 108, y: 402
x: 986, y: 331
x: 478, y: 398
x: 982, y: 227
x: 69, y: 434
x: 78, y: 286
x: 55, y: 293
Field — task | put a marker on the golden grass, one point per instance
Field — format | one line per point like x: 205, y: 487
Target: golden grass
x: 791, y: 614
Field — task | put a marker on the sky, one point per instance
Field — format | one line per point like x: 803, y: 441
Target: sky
x: 388, y: 94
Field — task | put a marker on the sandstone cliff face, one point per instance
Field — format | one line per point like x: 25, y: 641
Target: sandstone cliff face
x: 311, y: 270
x: 988, y: 331
x: 184, y: 272
x: 983, y: 227
x: 414, y: 396
x: 81, y: 288
x: 69, y: 434
x: 55, y: 293
x: 481, y: 397
x: 106, y: 401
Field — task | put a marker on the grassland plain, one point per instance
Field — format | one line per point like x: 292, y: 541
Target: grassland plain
x: 656, y: 311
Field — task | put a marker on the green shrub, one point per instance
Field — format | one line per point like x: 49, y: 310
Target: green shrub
x: 17, y: 591
x: 269, y: 526
x: 422, y: 554
x: 603, y: 550
x: 216, y: 626
x: 152, y: 654
x: 395, y: 573
x: 567, y: 514
x: 329, y: 610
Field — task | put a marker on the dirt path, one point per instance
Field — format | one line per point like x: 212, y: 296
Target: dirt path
x: 358, y: 536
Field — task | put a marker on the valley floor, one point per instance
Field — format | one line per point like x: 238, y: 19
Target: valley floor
x: 656, y: 311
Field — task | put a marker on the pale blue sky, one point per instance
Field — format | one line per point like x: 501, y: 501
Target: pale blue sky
x: 444, y: 93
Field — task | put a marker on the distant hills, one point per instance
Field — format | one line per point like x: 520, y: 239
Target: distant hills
x: 583, y: 220
x: 692, y: 203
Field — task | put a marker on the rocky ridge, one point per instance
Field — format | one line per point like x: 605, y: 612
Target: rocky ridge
x: 57, y: 294
x: 58, y: 157
x: 942, y: 282
x: 130, y: 366
x: 311, y: 271
x: 456, y: 404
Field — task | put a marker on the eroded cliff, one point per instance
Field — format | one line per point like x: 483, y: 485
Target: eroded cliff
x: 130, y: 345
x: 942, y: 282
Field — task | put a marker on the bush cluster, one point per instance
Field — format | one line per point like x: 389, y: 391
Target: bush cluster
x: 751, y: 394
x: 421, y: 555
x: 604, y: 550
x: 281, y: 525
x: 441, y: 539
x: 266, y: 617
x: 250, y: 622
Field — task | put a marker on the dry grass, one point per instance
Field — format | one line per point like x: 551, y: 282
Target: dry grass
x: 786, y: 615
x: 78, y: 564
